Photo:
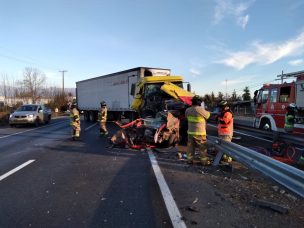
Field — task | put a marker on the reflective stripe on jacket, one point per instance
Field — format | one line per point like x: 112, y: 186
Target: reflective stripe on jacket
x: 289, y: 121
x: 225, y: 125
x: 74, y: 115
x: 197, y: 116
x: 103, y: 114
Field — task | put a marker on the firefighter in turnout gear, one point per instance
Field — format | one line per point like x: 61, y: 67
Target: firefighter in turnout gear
x: 290, y: 117
x: 197, y: 137
x: 225, y: 125
x: 75, y: 121
x: 102, y: 118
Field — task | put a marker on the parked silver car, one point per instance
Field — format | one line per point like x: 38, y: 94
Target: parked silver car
x: 30, y: 114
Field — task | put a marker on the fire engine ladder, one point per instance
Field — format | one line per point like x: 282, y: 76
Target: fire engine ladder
x: 290, y: 75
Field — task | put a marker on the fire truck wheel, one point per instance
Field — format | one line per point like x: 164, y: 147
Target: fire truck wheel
x: 265, y: 125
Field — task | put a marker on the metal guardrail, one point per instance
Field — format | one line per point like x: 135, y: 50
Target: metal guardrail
x: 290, y: 177
x: 275, y: 135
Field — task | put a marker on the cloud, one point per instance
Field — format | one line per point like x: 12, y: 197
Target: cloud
x: 242, y: 21
x: 226, y: 8
x: 265, y: 53
x: 195, y: 72
x: 296, y: 62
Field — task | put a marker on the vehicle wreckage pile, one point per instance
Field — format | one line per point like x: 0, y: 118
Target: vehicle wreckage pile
x: 161, y: 131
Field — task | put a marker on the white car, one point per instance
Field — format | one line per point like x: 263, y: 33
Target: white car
x: 30, y: 114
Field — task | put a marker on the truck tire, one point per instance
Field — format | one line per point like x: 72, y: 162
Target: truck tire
x: 87, y: 116
x: 265, y: 125
x: 91, y: 116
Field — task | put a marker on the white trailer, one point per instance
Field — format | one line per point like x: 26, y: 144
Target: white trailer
x: 114, y: 89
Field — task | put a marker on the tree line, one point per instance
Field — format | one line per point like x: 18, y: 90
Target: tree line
x: 211, y: 100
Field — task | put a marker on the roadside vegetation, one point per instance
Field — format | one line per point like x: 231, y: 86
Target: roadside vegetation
x: 32, y: 88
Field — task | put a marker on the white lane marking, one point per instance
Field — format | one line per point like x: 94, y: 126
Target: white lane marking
x: 15, y: 169
x: 245, y: 134
x: 90, y: 127
x: 18, y: 133
x: 171, y: 206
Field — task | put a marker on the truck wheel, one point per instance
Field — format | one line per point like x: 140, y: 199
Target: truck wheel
x: 87, y: 116
x: 265, y: 125
x: 91, y: 116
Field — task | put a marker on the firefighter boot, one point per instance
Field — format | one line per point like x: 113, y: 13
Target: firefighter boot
x: 205, y: 161
x: 189, y: 158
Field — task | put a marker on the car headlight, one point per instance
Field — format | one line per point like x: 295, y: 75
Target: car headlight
x: 30, y: 115
x: 11, y: 116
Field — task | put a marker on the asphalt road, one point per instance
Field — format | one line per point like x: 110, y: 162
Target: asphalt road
x: 75, y: 183
x: 65, y: 183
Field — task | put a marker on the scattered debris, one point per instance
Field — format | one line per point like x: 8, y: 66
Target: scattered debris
x: 195, y: 200
x: 244, y: 178
x: 273, y: 206
x: 291, y: 197
x: 192, y: 208
x: 275, y: 188
x: 194, y: 223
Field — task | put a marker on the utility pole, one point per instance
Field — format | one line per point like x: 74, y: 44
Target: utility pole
x: 63, y: 71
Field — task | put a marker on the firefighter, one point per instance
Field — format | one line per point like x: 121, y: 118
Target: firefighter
x: 102, y: 118
x: 290, y: 117
x: 75, y: 121
x: 197, y: 137
x: 225, y: 125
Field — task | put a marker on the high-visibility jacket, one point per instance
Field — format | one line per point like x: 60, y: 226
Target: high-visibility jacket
x: 289, y: 121
x: 196, y: 116
x: 74, y: 115
x: 225, y: 123
x: 103, y: 114
x: 75, y: 120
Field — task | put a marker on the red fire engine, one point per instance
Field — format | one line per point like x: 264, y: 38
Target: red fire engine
x: 272, y: 99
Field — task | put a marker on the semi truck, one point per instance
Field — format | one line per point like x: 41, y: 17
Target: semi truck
x: 140, y: 91
x: 272, y: 99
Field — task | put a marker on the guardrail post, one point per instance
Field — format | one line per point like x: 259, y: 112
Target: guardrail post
x: 218, y: 156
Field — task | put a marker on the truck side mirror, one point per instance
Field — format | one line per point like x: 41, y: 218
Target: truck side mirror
x: 133, y: 86
x: 188, y: 87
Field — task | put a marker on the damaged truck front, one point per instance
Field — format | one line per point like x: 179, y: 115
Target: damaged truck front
x: 162, y: 102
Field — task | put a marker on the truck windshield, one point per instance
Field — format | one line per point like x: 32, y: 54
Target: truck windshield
x: 153, y: 89
x: 28, y: 108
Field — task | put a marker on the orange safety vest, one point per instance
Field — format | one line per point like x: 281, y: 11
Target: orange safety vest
x: 225, y: 125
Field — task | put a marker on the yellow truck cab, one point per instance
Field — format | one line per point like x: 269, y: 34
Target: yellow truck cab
x: 151, y: 93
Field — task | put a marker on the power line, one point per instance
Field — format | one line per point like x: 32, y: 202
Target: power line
x: 28, y: 60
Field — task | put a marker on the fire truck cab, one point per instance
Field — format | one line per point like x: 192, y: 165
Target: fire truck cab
x: 272, y: 99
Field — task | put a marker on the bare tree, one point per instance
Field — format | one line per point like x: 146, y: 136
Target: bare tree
x: 4, y: 85
x: 33, y: 81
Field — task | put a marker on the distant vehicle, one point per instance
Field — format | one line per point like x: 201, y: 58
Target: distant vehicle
x: 272, y: 99
x: 30, y: 114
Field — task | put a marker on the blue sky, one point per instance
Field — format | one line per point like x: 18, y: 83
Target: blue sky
x: 247, y: 43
